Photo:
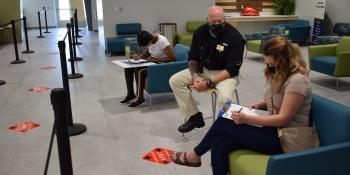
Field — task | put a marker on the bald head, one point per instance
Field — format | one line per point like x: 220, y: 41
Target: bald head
x: 215, y: 15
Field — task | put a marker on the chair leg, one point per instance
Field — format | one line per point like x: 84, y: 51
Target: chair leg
x: 213, y: 104
x: 337, y: 88
x: 150, y: 101
x: 237, y: 98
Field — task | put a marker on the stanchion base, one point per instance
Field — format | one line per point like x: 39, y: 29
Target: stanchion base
x: 75, y: 76
x: 18, y: 62
x: 79, y: 36
x: 76, y: 129
x: 40, y: 36
x: 47, y: 32
x: 76, y: 59
x: 78, y: 43
x: 27, y: 51
x: 2, y: 82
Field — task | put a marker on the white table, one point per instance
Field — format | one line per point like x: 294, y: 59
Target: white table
x: 125, y: 64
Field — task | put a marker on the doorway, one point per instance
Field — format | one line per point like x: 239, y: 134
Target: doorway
x: 64, y: 12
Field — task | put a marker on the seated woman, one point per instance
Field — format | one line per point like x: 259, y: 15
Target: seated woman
x: 287, y: 99
x: 159, y: 50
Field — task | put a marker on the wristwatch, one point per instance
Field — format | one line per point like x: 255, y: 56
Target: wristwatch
x: 210, y: 84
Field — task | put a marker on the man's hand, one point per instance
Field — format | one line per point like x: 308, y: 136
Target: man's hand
x: 136, y: 56
x: 199, y: 84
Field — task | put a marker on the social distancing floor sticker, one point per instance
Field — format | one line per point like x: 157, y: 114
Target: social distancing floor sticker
x: 24, y: 127
x: 39, y: 89
x: 158, y: 155
x: 48, y: 68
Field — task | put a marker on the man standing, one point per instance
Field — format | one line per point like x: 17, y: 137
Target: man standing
x: 214, y: 61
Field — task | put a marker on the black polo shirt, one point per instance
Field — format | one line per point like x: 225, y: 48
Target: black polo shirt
x: 223, y: 53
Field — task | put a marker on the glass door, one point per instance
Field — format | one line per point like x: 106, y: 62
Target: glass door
x: 64, y: 12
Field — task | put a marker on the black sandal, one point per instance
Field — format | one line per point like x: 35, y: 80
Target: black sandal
x: 175, y: 157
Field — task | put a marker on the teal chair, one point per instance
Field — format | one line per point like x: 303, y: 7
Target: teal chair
x: 340, y: 29
x: 299, y: 31
x: 332, y: 59
x: 332, y: 121
x: 158, y: 75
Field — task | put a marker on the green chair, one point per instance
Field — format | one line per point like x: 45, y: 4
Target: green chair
x: 331, y: 59
x: 332, y: 121
x: 191, y: 26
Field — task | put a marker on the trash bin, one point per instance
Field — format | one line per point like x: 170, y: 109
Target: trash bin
x: 169, y: 31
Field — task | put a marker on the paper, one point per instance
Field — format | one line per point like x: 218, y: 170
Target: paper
x: 229, y: 107
x: 127, y: 64
x: 132, y: 61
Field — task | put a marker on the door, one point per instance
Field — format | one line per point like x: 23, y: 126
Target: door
x: 64, y: 12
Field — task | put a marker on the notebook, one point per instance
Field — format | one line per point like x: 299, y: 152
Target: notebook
x: 229, y: 107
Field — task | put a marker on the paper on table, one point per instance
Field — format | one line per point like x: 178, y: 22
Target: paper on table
x: 125, y: 64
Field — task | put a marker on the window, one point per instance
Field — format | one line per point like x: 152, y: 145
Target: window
x: 238, y: 5
x: 64, y: 9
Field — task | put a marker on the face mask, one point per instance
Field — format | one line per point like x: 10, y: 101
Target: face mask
x: 272, y: 68
x: 217, y: 29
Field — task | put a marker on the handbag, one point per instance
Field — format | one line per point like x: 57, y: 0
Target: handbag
x: 298, y: 138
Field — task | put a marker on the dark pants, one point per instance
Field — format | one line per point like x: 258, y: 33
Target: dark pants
x: 225, y: 136
x: 140, y: 74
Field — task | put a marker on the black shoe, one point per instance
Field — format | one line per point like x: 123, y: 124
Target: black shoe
x: 128, y: 98
x: 137, y: 103
x: 195, y: 121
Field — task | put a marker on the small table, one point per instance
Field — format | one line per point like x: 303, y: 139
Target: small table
x: 124, y: 64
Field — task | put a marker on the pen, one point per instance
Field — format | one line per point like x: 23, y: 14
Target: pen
x: 240, y: 110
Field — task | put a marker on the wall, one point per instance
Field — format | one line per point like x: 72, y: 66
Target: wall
x: 31, y: 8
x: 152, y: 12
x: 78, y: 4
x: 11, y: 10
x: 337, y: 10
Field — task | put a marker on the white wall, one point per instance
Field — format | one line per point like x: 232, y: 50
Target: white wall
x: 152, y: 12
x: 31, y: 8
x: 337, y: 10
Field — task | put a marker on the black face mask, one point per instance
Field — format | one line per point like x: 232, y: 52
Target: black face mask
x: 272, y: 68
x: 217, y: 29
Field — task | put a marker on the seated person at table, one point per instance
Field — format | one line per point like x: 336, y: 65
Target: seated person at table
x: 287, y: 99
x: 157, y: 49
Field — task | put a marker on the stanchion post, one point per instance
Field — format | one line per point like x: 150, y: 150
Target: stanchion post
x: 2, y: 82
x: 76, y: 128
x: 76, y: 29
x: 14, y: 36
x: 41, y: 34
x: 26, y: 36
x: 59, y: 104
x: 74, y: 45
x: 73, y: 75
x: 47, y: 30
x: 76, y: 12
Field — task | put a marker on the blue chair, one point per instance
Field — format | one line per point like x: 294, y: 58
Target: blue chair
x: 339, y: 30
x: 158, y: 75
x: 299, y: 31
x: 332, y: 121
x: 117, y: 44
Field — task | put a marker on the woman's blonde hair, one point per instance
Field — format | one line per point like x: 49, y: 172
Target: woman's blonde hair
x: 288, y: 62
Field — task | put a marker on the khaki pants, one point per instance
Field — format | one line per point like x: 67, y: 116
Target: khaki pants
x: 180, y: 81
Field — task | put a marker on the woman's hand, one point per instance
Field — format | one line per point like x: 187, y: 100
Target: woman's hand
x: 136, y: 56
x: 239, y: 117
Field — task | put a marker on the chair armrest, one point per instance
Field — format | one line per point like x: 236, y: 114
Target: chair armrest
x: 255, y: 36
x: 321, y: 50
x: 342, y: 65
x: 299, y: 33
x: 332, y: 159
x: 158, y: 75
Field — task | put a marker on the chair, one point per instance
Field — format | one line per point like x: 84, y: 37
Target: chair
x: 158, y: 75
x: 117, y: 44
x: 299, y: 31
x: 332, y: 59
x: 191, y: 26
x: 332, y: 121
x: 256, y: 41
x: 340, y: 29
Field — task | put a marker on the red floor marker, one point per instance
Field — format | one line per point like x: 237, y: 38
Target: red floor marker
x: 24, y: 127
x: 39, y: 89
x: 48, y: 68
x: 158, y: 155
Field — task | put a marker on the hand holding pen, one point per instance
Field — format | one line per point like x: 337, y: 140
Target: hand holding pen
x: 238, y: 117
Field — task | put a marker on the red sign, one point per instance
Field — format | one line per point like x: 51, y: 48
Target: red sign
x: 39, y: 89
x: 48, y: 68
x: 158, y: 155
x: 24, y: 127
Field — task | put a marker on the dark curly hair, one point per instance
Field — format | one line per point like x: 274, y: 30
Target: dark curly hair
x: 143, y: 38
